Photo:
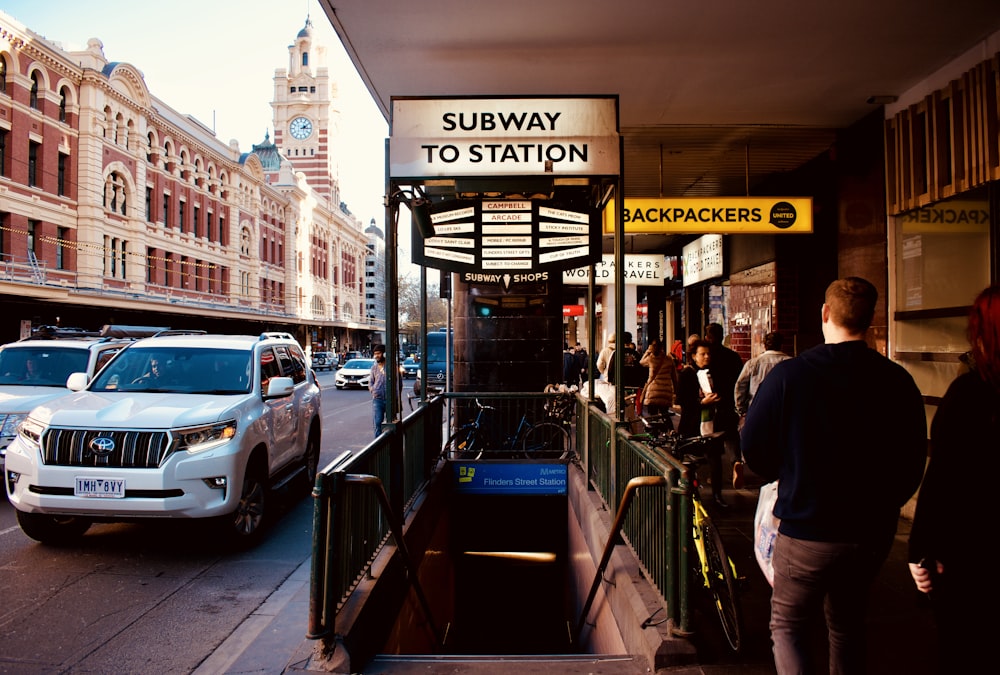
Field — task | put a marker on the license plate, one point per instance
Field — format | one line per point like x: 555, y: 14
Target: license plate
x: 113, y: 488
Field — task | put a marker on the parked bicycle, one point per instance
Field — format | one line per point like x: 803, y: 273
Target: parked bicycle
x: 659, y: 429
x: 543, y: 440
x: 712, y: 565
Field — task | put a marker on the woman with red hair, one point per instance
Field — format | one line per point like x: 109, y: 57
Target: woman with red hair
x: 950, y: 549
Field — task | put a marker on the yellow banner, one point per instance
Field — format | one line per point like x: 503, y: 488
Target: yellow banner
x: 714, y: 215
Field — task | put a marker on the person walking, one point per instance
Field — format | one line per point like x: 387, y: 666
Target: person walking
x: 658, y: 392
x: 377, y: 387
x: 964, y: 435
x: 748, y: 382
x: 726, y: 368
x: 698, y: 402
x: 604, y: 356
x: 837, y: 416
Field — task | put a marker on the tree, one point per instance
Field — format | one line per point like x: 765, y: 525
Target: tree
x: 409, y: 305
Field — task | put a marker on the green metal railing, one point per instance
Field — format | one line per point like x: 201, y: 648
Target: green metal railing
x: 351, y: 523
x: 350, y: 520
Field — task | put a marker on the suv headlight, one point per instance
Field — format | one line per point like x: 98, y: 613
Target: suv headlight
x: 31, y: 432
x: 8, y: 423
x: 199, y: 439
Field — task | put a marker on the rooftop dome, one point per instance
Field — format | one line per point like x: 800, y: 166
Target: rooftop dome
x: 307, y: 30
x: 268, y: 154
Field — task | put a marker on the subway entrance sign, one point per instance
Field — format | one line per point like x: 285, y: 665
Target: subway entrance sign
x: 503, y: 477
x: 510, y: 188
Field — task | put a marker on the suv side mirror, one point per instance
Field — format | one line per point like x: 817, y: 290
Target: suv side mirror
x: 278, y: 387
x: 77, y: 381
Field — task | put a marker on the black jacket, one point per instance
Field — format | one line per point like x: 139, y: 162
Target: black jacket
x: 843, y: 429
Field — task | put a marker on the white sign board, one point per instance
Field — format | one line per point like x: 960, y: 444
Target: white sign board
x: 452, y: 137
x: 640, y: 270
x: 702, y: 259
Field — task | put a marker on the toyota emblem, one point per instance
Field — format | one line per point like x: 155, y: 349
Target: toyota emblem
x: 102, y: 446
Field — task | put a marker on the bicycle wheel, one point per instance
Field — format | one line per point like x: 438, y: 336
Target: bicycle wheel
x: 546, y: 440
x: 464, y: 444
x: 722, y: 583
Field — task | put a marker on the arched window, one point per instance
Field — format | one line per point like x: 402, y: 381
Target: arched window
x: 62, y: 104
x: 33, y: 97
x: 115, y: 195
x: 3, y: 74
x: 305, y: 59
x: 245, y: 241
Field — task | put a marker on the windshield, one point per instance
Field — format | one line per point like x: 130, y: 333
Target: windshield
x: 359, y: 364
x: 42, y: 366
x: 182, y: 370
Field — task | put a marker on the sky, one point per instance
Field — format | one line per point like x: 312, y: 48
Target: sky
x: 215, y: 60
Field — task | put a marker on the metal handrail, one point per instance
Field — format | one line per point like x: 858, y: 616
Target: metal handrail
x: 609, y: 547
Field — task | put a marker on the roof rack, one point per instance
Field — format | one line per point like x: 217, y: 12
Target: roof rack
x: 57, y: 332
x: 179, y: 331
x: 123, y: 331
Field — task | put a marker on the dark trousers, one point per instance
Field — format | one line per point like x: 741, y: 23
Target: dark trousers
x: 810, y: 576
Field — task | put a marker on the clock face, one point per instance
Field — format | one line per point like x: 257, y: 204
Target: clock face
x: 300, y: 128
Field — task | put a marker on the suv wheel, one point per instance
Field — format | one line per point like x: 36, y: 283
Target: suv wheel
x: 55, y: 530
x: 310, y: 461
x: 244, y: 525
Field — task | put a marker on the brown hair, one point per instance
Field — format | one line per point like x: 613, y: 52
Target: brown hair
x: 852, y: 303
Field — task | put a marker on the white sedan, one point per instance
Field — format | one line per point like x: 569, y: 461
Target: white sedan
x: 355, y: 373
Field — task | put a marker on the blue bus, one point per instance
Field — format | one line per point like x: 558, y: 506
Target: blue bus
x: 438, y: 352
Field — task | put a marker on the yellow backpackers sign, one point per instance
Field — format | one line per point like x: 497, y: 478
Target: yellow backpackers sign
x: 714, y: 215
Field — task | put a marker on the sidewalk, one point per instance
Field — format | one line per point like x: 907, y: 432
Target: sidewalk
x: 902, y: 636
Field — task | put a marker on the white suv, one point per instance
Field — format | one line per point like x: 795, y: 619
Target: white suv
x: 35, y: 370
x: 177, y: 426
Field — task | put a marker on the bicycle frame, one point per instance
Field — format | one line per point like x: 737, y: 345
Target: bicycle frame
x: 721, y: 582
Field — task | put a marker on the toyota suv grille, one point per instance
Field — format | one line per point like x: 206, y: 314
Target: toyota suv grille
x: 126, y: 449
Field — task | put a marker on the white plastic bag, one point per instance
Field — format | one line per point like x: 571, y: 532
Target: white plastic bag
x: 765, y: 528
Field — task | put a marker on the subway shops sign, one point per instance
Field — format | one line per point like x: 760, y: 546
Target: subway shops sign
x: 716, y: 215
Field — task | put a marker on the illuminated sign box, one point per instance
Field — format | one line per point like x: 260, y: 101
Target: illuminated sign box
x: 702, y: 259
x: 510, y: 478
x: 713, y: 215
x: 455, y: 137
x: 507, y: 241
x: 640, y: 270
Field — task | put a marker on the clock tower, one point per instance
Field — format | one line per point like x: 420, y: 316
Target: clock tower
x: 305, y: 119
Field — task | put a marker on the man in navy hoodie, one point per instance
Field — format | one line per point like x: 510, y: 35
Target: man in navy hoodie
x: 842, y: 428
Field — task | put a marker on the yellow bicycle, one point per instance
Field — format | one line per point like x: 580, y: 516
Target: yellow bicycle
x: 712, y: 565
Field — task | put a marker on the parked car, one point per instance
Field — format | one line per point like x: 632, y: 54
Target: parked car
x: 324, y: 361
x: 34, y: 370
x: 174, y: 426
x: 352, y: 355
x: 410, y: 367
x: 354, y: 373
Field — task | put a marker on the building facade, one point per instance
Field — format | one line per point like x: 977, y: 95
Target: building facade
x: 116, y: 208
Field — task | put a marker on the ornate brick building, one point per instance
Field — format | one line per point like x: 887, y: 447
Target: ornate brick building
x: 116, y: 208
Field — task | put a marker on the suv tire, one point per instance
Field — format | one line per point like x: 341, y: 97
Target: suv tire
x: 244, y: 526
x: 310, y: 461
x: 53, y: 530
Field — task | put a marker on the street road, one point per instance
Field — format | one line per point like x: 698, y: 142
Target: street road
x: 154, y: 597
